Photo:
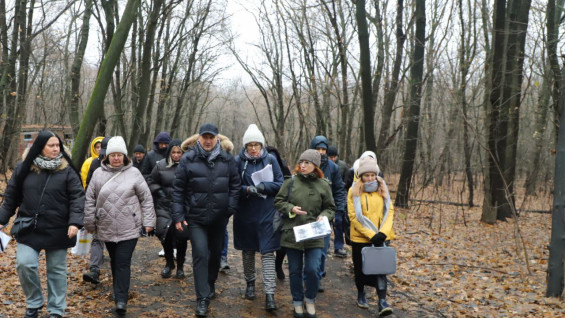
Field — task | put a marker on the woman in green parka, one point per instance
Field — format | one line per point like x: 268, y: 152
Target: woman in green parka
x: 308, y: 200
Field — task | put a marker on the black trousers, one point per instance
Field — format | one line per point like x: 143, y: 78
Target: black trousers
x: 361, y: 280
x: 170, y: 243
x: 207, y: 242
x: 120, y: 260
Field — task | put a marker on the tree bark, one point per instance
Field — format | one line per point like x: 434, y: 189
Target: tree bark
x: 96, y: 103
x: 366, y: 76
x: 416, y: 74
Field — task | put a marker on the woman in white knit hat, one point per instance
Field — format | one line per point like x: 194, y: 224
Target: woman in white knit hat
x: 253, y: 229
x: 118, y: 205
x: 371, y: 214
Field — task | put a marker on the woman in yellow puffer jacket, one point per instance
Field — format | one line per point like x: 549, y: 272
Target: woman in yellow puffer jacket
x: 371, y: 225
x: 95, y: 146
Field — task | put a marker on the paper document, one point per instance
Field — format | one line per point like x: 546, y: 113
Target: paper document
x: 312, y: 230
x: 4, y: 240
x: 263, y: 175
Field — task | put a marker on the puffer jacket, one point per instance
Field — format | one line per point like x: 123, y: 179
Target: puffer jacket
x: 153, y: 156
x: 93, y: 155
x: 314, y: 196
x: 206, y: 193
x: 62, y: 205
x: 372, y: 206
x: 161, y: 186
x: 116, y: 211
x: 253, y: 222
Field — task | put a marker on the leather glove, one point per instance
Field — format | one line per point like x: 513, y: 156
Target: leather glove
x: 260, y: 188
x: 151, y: 233
x: 378, y: 239
x: 252, y: 191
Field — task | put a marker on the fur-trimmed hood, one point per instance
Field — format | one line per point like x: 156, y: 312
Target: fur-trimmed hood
x: 36, y: 169
x: 190, y: 142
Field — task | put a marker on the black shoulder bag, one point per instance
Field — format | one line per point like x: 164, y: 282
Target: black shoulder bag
x: 24, y: 224
x: 277, y: 218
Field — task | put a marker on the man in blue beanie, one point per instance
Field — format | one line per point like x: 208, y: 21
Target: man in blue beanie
x: 160, y: 143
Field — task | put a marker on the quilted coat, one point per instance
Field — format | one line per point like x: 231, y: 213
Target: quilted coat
x: 116, y: 211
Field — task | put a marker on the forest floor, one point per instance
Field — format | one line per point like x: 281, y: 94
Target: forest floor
x: 449, y: 265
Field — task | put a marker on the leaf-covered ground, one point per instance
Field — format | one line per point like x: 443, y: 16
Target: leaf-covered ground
x: 449, y: 265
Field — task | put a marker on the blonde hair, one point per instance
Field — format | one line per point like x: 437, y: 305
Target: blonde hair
x: 358, y: 187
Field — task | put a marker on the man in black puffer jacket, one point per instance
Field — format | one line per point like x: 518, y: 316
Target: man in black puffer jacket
x: 205, y: 194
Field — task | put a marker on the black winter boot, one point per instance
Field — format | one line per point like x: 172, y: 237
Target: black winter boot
x: 270, y: 302
x: 384, y: 308
x: 250, y: 291
x: 202, y: 307
x: 168, y: 269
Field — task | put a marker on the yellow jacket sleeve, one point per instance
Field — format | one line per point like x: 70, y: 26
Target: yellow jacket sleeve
x: 84, y: 170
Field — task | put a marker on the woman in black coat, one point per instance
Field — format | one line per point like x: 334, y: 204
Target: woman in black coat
x: 48, y: 191
x: 161, y: 186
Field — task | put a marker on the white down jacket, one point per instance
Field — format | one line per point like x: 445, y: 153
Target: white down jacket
x: 117, y: 209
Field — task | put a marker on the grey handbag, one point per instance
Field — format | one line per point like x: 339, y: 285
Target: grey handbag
x: 378, y: 260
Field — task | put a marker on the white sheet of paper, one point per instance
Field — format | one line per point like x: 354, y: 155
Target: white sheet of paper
x: 4, y: 240
x: 263, y: 175
x: 312, y: 230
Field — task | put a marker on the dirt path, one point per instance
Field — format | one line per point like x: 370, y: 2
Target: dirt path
x: 153, y: 296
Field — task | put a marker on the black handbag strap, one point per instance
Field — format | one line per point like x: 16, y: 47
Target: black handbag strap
x: 289, y: 189
x: 41, y: 199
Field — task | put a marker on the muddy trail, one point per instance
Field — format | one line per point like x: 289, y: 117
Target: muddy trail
x: 153, y: 296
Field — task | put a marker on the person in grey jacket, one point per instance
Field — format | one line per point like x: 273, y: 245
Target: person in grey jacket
x: 45, y: 187
x: 118, y: 206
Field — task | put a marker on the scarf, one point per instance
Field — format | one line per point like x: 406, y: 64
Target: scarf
x: 365, y: 221
x: 372, y: 186
x: 210, y: 155
x: 249, y: 157
x: 46, y: 163
x: 323, y: 160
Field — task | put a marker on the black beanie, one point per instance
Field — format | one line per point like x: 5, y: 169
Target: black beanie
x: 139, y: 148
x: 332, y: 151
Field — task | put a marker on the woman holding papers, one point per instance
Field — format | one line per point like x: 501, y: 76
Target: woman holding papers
x: 261, y: 179
x: 304, y: 198
x: 47, y: 190
x: 371, y: 214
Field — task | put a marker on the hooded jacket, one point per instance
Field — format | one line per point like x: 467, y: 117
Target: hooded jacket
x: 156, y: 154
x: 93, y: 155
x: 117, y: 209
x: 372, y: 206
x: 253, y: 221
x: 161, y: 186
x: 62, y: 205
x: 204, y: 193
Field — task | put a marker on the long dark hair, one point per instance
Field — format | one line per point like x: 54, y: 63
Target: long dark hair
x: 34, y: 151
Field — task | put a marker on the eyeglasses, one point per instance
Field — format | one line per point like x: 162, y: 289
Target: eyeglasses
x: 254, y: 146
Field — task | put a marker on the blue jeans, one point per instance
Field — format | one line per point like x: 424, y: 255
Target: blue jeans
x: 27, y: 265
x: 324, y: 256
x: 338, y: 230
x: 307, y: 262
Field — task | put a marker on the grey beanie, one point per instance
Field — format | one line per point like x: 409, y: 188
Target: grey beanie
x: 311, y: 155
x: 367, y: 164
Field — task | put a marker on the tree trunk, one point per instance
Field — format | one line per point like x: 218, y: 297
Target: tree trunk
x: 555, y: 264
x: 391, y: 88
x: 73, y: 97
x: 416, y: 74
x: 96, y: 103
x: 145, y: 78
x: 366, y: 76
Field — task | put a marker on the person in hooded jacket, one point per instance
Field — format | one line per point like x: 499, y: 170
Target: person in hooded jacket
x: 96, y: 247
x: 253, y: 222
x: 138, y: 156
x: 304, y: 198
x: 45, y: 186
x: 161, y: 186
x: 118, y: 208
x: 205, y: 195
x: 95, y: 146
x: 159, y: 151
x: 332, y: 174
x: 371, y: 213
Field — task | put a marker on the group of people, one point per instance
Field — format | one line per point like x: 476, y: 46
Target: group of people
x: 187, y: 191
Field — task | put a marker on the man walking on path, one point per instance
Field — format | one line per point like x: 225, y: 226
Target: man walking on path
x: 205, y: 194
